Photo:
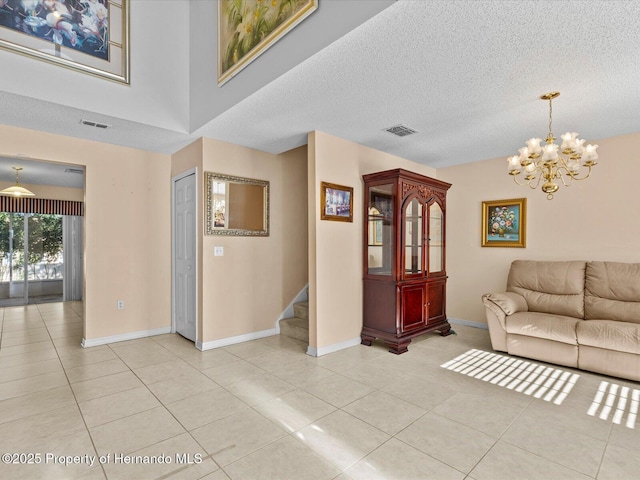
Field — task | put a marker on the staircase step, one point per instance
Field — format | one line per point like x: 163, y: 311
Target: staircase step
x: 297, y: 328
x: 301, y: 310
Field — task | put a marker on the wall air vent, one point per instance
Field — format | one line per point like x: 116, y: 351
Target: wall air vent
x: 79, y: 171
x: 90, y: 123
x: 400, y: 130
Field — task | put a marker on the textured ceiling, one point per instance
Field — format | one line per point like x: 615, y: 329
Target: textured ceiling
x: 39, y: 173
x: 465, y: 74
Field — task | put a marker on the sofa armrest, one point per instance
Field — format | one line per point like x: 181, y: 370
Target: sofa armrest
x: 497, y: 307
x: 508, y: 302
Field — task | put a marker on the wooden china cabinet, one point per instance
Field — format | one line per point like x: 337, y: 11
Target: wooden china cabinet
x: 404, y: 258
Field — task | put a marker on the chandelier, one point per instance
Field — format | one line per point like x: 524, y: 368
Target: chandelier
x: 548, y: 163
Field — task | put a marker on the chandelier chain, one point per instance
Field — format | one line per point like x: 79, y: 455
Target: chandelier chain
x: 550, y: 118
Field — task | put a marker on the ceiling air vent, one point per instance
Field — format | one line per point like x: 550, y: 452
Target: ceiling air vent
x: 90, y: 123
x: 401, y: 130
x: 74, y: 170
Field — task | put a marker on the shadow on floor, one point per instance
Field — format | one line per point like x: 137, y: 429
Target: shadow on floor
x: 14, y: 302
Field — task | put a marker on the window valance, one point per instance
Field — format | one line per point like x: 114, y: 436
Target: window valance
x: 41, y: 205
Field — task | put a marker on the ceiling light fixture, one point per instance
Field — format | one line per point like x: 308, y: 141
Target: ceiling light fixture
x: 545, y: 162
x: 17, y: 190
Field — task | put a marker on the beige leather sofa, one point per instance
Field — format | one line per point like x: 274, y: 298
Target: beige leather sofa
x: 579, y: 314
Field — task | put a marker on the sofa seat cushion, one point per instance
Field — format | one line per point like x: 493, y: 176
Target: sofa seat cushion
x: 610, y: 335
x: 543, y: 325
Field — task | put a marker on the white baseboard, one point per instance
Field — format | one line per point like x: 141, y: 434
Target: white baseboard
x: 94, y: 342
x: 318, y: 352
x: 223, y: 342
x: 468, y: 323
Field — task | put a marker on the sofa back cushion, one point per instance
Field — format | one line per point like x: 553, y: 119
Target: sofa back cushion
x: 612, y: 291
x: 550, y: 287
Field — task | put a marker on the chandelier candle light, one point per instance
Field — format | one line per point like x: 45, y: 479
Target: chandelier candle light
x: 549, y: 162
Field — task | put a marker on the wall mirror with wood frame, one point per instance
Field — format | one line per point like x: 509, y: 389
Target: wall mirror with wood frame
x: 236, y: 205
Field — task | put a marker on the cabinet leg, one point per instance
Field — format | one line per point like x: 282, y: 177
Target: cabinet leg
x: 398, y: 348
x: 446, y: 330
x: 366, y: 340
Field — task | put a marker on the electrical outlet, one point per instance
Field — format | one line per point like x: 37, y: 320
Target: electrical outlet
x: 120, y: 304
x: 218, y: 251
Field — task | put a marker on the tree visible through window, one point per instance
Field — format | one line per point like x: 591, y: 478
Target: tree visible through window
x: 44, y: 247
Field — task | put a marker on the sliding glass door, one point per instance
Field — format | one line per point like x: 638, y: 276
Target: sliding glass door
x: 32, y: 258
x: 12, y: 257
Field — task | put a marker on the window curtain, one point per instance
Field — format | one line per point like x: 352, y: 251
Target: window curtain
x: 72, y: 255
x: 41, y: 205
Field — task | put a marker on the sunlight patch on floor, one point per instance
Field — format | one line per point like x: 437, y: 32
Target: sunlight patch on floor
x: 547, y: 383
x: 605, y: 401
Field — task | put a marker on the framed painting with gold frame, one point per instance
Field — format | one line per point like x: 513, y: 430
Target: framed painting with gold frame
x: 504, y: 223
x: 87, y: 36
x: 336, y: 202
x: 246, y: 28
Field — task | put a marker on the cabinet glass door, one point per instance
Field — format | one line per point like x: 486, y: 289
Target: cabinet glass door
x: 380, y: 241
x: 413, y: 237
x: 436, y: 239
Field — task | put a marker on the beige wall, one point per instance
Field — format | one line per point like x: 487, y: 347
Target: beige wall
x: 186, y: 159
x: 234, y: 291
x: 591, y: 220
x: 55, y: 193
x: 127, y: 228
x: 128, y: 231
x: 245, y: 290
x: 335, y: 248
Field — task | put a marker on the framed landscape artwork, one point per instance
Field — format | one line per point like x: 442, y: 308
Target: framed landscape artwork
x: 336, y: 202
x: 504, y: 223
x: 246, y: 28
x: 90, y: 36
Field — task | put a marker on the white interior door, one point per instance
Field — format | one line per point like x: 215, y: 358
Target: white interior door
x: 184, y: 245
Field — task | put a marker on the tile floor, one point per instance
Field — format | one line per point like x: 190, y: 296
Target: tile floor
x: 265, y: 410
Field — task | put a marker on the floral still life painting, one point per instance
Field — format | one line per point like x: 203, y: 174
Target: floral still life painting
x: 246, y: 28
x: 504, y: 223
